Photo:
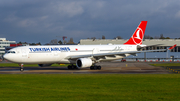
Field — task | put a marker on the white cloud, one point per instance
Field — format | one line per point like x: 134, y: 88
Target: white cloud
x: 177, y: 15
x: 27, y: 23
x: 80, y: 18
x: 43, y: 18
x: 10, y: 18
x: 69, y: 9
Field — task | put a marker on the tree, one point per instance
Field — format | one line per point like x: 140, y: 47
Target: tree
x: 156, y: 37
x: 47, y: 44
x: 162, y: 37
x: 118, y: 37
x: 147, y: 37
x: 60, y: 42
x: 103, y: 37
x: 32, y: 44
x: 93, y: 38
x: 70, y: 41
x: 20, y: 42
x: 38, y: 43
x: 167, y: 38
x: 53, y: 42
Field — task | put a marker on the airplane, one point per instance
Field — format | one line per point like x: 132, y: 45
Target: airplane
x: 82, y: 55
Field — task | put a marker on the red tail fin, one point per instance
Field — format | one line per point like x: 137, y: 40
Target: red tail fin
x: 137, y: 37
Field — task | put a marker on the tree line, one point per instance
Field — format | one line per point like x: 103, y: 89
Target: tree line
x: 52, y: 42
x: 145, y: 37
x: 71, y: 42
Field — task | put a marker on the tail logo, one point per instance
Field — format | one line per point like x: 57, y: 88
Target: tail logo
x: 137, y: 38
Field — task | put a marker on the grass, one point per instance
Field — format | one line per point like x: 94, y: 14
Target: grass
x: 166, y: 64
x: 28, y: 65
x: 89, y: 87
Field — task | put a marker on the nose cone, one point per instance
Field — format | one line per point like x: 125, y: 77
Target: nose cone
x: 11, y: 57
x: 8, y: 57
x: 5, y: 56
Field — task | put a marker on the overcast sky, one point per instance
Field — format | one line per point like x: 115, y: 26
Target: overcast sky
x: 43, y: 20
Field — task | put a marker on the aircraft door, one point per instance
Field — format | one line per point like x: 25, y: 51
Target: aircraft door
x: 24, y: 53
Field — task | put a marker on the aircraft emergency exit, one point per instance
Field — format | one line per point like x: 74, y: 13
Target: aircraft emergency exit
x: 81, y: 55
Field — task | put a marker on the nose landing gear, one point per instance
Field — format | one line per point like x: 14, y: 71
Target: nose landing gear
x: 21, y: 68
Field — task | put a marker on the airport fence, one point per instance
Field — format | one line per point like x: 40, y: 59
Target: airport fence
x: 150, y: 60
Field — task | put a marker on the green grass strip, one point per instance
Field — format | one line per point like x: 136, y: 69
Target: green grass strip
x: 89, y: 87
x: 28, y: 65
x: 166, y: 64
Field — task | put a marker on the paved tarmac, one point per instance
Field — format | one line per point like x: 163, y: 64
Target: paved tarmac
x: 107, y: 67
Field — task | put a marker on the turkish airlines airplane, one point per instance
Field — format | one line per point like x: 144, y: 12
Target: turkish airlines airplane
x: 81, y: 55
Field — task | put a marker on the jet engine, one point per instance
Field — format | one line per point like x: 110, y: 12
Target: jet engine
x: 84, y: 62
x: 44, y: 65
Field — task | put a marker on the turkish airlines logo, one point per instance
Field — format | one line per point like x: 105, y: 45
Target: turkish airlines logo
x: 138, y: 36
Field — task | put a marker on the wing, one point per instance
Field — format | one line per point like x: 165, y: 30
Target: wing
x: 115, y: 53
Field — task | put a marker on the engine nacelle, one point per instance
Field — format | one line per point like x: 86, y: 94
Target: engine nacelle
x: 44, y: 65
x: 84, y: 62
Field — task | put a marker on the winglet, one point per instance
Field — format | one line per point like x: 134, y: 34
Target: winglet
x: 172, y: 47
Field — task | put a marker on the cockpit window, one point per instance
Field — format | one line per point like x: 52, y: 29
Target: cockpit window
x: 11, y: 52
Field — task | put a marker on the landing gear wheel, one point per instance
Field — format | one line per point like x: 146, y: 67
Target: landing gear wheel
x: 99, y: 67
x: 92, y: 67
x: 72, y: 67
x: 95, y: 67
x: 21, y: 68
x: 69, y: 67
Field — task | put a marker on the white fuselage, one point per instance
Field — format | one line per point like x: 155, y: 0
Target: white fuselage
x: 82, y: 55
x: 60, y: 53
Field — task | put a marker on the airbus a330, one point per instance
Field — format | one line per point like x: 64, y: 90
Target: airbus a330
x: 82, y: 55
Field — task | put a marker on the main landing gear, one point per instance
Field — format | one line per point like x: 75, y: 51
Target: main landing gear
x: 72, y: 67
x: 21, y: 68
x: 95, y: 67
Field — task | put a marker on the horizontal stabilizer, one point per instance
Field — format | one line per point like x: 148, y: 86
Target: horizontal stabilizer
x: 172, y: 47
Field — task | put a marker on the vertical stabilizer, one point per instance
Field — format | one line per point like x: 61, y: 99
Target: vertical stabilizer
x: 137, y: 37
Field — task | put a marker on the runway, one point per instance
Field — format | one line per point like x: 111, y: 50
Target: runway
x: 107, y: 67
